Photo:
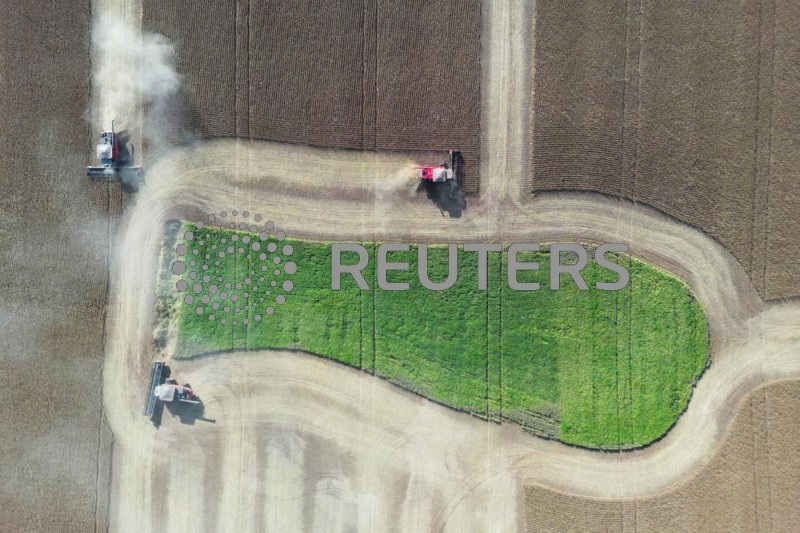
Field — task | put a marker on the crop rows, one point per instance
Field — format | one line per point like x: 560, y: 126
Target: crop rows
x: 375, y: 75
x: 682, y: 106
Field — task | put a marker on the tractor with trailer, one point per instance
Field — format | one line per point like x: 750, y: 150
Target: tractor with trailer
x: 165, y: 389
x: 116, y: 161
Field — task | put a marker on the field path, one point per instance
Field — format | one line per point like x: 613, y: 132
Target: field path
x: 506, y: 89
x: 114, y: 66
x: 302, y: 443
x: 470, y: 464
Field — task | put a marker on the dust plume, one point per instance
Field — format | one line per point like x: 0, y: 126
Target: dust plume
x: 132, y: 72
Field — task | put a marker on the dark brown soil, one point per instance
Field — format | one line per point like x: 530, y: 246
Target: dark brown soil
x: 372, y: 75
x: 689, y: 107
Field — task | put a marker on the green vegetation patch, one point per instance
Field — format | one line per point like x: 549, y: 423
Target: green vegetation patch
x: 592, y: 368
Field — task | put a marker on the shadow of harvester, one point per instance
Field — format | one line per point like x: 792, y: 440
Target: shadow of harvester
x: 447, y: 196
x: 187, y: 411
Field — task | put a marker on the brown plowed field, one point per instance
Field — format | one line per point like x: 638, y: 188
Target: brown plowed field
x: 54, y: 230
x: 688, y: 107
x: 355, y: 75
x: 751, y: 484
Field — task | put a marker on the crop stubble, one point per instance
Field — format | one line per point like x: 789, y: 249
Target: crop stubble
x: 370, y: 75
x: 687, y: 107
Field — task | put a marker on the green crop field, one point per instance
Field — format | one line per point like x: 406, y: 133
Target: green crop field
x: 593, y: 368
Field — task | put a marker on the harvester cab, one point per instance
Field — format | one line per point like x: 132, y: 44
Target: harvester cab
x: 447, y: 171
x: 116, y: 161
x: 170, y: 391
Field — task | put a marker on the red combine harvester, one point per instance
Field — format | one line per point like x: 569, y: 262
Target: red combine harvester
x: 116, y: 161
x: 165, y: 390
x: 447, y: 171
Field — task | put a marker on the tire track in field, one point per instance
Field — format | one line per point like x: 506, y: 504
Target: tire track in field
x: 751, y: 342
x: 470, y: 470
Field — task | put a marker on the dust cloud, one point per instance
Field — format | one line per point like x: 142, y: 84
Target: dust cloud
x: 133, y: 71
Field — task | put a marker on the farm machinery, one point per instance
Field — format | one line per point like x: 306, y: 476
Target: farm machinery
x: 442, y: 184
x: 165, y: 389
x: 447, y: 171
x: 116, y: 161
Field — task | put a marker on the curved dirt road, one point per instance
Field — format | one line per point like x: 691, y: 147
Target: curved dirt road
x: 450, y: 468
x: 302, y: 443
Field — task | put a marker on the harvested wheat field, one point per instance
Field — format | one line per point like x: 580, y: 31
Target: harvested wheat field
x: 687, y: 107
x: 367, y: 75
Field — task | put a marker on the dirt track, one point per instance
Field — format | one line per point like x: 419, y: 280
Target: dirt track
x: 299, y: 439
x: 751, y: 344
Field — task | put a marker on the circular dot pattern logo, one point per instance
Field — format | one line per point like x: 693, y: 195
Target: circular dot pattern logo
x: 233, y: 268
